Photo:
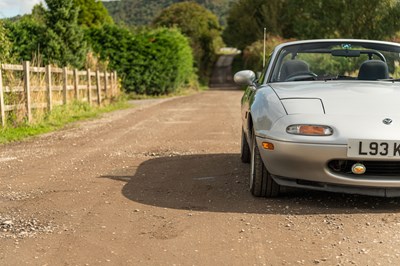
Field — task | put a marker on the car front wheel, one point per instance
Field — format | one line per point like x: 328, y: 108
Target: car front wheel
x: 261, y: 182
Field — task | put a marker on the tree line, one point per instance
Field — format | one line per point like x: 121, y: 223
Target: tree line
x: 143, y: 12
x: 158, y: 59
x: 311, y: 19
x: 243, y: 21
x: 179, y: 42
x: 308, y: 19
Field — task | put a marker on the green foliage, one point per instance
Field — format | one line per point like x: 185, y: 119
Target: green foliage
x: 201, y: 26
x: 5, y: 47
x: 150, y: 62
x: 92, y: 13
x: 51, y: 36
x: 64, y: 38
x: 367, y: 19
x: 38, y: 13
x: 326, y: 64
x: 143, y: 12
x: 248, y: 18
x: 218, y: 7
x: 58, y: 118
x: 27, y: 35
x: 253, y: 54
x: 310, y: 19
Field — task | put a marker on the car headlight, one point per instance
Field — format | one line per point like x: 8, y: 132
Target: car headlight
x: 309, y: 130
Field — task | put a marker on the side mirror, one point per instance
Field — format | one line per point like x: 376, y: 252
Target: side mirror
x: 245, y: 78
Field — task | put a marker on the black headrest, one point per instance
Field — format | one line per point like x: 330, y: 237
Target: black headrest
x: 293, y: 66
x: 373, y: 70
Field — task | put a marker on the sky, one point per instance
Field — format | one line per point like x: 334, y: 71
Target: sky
x: 11, y: 8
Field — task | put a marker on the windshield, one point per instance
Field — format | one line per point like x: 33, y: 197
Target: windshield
x: 337, y: 61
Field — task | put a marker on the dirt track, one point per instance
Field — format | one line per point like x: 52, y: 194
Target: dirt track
x: 162, y: 184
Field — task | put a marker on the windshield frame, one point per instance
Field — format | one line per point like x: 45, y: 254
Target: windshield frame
x: 294, y: 47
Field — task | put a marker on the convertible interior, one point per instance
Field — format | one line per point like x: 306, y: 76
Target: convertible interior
x: 317, y: 63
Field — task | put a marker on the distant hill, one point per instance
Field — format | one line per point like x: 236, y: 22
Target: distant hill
x: 142, y: 12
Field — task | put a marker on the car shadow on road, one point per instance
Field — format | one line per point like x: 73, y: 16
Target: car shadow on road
x: 219, y: 183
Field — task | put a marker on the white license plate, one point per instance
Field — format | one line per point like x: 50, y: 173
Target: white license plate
x: 373, y: 148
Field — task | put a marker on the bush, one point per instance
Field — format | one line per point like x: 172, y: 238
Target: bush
x: 202, y: 28
x: 6, y: 45
x: 27, y: 36
x: 152, y: 62
x: 253, y: 54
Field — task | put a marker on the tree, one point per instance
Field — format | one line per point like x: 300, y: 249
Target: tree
x: 218, y: 7
x: 27, y: 35
x: 5, y: 47
x: 248, y: 18
x: 92, y: 13
x: 201, y: 26
x: 38, y: 13
x: 310, y: 19
x: 143, y: 12
x: 65, y: 39
x: 150, y: 62
x: 372, y: 19
x: 367, y: 19
x: 253, y: 54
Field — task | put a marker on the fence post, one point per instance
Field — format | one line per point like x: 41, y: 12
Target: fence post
x: 112, y: 84
x: 65, y: 85
x: 27, y: 88
x: 89, y: 87
x: 98, y: 87
x: 105, y: 84
x: 76, y: 84
x: 2, y: 111
x: 116, y: 83
x: 49, y: 89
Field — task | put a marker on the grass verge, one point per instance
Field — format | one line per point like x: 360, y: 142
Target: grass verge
x: 57, y: 119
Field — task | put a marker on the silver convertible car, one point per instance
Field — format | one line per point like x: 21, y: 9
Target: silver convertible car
x: 324, y: 115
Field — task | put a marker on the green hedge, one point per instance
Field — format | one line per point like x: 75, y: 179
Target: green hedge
x: 253, y: 54
x: 151, y: 62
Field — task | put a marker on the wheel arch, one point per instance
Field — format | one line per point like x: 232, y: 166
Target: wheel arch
x: 250, y: 128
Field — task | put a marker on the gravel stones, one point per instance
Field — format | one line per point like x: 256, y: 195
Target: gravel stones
x: 18, y: 226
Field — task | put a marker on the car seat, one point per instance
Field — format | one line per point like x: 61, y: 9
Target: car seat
x: 373, y: 70
x: 292, y: 67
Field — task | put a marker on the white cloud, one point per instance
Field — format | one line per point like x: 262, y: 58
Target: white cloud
x: 10, y: 8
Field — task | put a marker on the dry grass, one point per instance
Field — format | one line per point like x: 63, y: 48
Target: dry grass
x: 13, y: 82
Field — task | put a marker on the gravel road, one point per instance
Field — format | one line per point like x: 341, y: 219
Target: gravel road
x: 162, y: 184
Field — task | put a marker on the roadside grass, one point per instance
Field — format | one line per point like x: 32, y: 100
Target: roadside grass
x: 63, y: 115
x: 58, y: 118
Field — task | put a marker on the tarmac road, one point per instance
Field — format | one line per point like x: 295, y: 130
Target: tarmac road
x: 162, y: 184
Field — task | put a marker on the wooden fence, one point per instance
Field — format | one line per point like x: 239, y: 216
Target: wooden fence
x: 94, y: 87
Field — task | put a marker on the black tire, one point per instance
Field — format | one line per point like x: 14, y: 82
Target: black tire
x: 244, y: 149
x: 261, y: 182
